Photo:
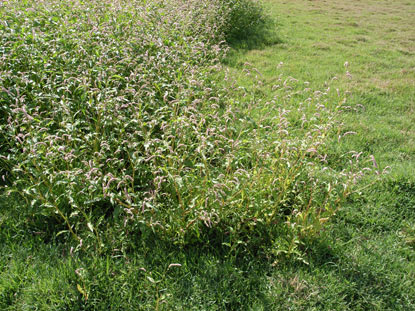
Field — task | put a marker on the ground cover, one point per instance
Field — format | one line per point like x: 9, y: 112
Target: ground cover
x: 363, y: 259
x: 376, y: 39
x: 365, y: 49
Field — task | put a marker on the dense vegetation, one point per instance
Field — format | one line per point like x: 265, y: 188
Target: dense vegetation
x: 112, y: 118
x: 127, y: 147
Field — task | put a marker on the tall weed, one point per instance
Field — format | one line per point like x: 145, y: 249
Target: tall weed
x: 111, y: 115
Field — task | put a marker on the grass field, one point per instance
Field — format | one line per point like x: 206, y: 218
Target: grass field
x: 365, y: 48
x: 364, y: 259
x: 376, y: 38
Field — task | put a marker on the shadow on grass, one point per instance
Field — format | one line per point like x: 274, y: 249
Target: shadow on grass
x: 146, y: 271
x: 258, y: 39
x: 197, y: 277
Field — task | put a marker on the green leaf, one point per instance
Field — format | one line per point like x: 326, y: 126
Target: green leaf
x: 90, y: 227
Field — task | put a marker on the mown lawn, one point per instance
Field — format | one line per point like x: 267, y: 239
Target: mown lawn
x: 363, y: 260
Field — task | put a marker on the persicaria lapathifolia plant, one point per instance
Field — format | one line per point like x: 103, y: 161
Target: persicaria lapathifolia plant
x: 109, y: 111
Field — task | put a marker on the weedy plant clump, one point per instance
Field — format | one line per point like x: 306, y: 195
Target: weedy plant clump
x: 111, y: 117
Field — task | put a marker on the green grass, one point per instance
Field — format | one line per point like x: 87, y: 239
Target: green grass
x: 377, y: 39
x: 363, y: 260
x: 373, y: 266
